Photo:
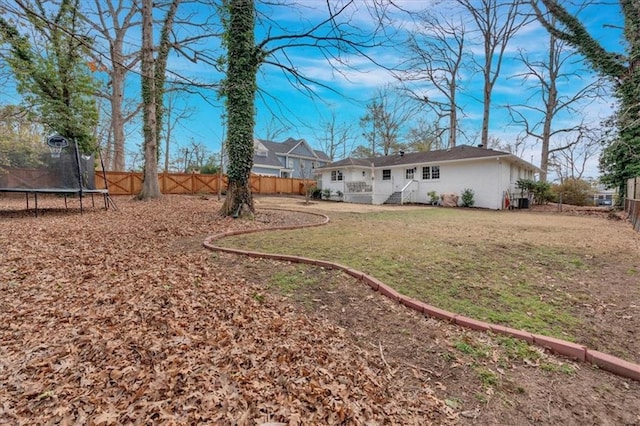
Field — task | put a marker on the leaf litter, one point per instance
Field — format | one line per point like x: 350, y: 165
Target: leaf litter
x: 104, y: 320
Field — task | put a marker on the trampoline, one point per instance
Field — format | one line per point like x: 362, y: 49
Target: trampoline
x: 61, y: 170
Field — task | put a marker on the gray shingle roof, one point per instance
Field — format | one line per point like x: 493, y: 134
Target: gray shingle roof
x: 281, y: 147
x: 462, y: 152
x: 322, y: 156
x: 271, y: 159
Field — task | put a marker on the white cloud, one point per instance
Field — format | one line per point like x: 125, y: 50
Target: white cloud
x: 348, y: 73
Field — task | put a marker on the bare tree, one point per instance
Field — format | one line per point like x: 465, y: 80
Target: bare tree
x: 160, y: 68
x: 570, y: 161
x: 423, y: 136
x: 370, y: 124
x: 173, y: 116
x: 387, y: 115
x: 619, y: 159
x: 516, y: 147
x: 306, y: 174
x: 438, y: 57
x: 199, y: 155
x: 195, y: 157
x: 113, y: 20
x: 334, y: 137
x: 539, y: 117
x: 275, y: 129
x: 153, y: 80
x: 497, y: 21
x: 335, y: 34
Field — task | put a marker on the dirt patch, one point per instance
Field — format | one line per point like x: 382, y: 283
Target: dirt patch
x: 479, y: 376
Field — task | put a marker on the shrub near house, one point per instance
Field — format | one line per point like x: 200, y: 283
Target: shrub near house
x: 577, y: 192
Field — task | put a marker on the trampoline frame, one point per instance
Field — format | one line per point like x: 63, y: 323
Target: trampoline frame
x: 66, y: 191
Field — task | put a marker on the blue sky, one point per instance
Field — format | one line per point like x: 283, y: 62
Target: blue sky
x: 279, y: 104
x: 353, y: 87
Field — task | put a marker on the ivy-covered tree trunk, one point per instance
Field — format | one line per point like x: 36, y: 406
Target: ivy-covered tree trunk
x: 239, y: 90
x: 150, y: 186
x: 164, y: 47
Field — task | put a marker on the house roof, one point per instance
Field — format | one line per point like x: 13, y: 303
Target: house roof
x: 322, y: 156
x: 270, y: 159
x: 461, y: 152
x: 286, y: 147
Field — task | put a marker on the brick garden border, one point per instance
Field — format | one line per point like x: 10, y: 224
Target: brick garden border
x: 562, y: 347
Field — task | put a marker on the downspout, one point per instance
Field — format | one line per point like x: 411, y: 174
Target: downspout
x: 373, y: 184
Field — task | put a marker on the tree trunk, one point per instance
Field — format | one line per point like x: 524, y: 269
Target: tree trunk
x: 150, y: 186
x: 453, y: 114
x: 486, y: 111
x: 167, y: 136
x: 239, y: 200
x: 117, y: 123
x: 239, y: 89
x: 160, y: 66
x: 550, y: 111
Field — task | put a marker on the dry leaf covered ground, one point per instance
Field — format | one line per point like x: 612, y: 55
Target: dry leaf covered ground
x: 120, y: 317
x: 105, y: 320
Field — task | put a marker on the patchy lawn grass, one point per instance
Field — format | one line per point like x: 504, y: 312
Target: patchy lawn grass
x: 529, y: 271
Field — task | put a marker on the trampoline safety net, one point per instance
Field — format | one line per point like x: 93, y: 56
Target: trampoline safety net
x: 66, y: 169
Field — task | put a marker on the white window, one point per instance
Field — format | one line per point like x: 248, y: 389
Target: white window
x: 386, y: 174
x: 431, y: 172
x: 426, y: 173
x: 336, y: 175
x: 408, y: 174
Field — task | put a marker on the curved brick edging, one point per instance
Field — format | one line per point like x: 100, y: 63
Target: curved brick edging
x: 562, y: 347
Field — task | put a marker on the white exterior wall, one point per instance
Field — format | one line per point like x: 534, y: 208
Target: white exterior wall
x: 488, y: 178
x: 350, y: 174
x: 327, y: 183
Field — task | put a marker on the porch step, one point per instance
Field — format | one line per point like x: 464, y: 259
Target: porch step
x: 394, y: 198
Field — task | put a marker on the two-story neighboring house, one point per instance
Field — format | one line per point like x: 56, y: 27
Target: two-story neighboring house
x: 293, y: 158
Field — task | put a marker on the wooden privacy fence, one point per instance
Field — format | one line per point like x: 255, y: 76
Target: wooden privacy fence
x: 130, y: 183
x: 632, y: 202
